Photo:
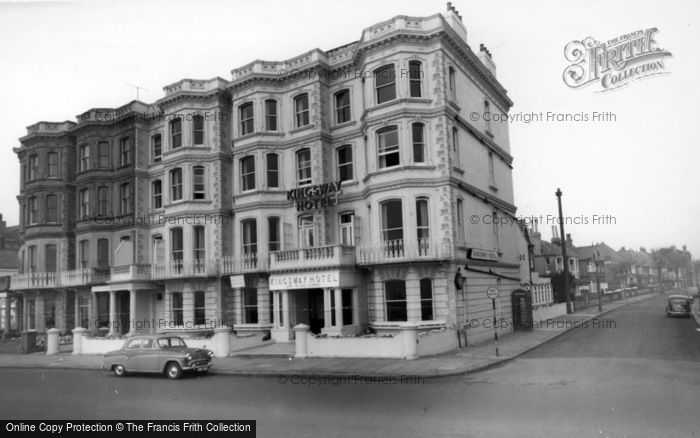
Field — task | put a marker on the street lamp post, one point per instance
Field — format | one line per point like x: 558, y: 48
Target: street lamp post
x: 563, y: 254
x: 597, y: 282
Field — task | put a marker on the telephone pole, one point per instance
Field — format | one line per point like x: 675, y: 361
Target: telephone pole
x: 565, y: 259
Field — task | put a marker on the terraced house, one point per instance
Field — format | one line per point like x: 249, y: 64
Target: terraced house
x: 347, y: 190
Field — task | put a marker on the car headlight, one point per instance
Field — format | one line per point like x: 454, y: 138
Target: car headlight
x: 211, y: 353
x: 188, y: 357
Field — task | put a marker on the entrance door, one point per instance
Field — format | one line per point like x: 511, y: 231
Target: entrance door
x: 315, y: 306
x: 124, y: 311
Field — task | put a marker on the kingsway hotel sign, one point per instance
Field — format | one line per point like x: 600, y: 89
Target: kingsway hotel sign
x: 312, y: 280
x: 316, y: 196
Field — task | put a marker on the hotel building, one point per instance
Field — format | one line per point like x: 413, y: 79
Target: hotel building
x: 351, y: 190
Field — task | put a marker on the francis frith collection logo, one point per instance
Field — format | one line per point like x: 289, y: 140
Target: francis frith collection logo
x: 614, y: 63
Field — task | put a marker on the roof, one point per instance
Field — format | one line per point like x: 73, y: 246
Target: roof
x: 599, y: 250
x: 549, y: 249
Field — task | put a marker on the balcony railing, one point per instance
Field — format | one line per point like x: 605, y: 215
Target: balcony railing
x: 81, y: 277
x: 46, y: 280
x: 34, y: 280
x: 185, y: 268
x: 395, y: 251
x: 321, y: 256
x: 253, y: 262
x: 130, y: 273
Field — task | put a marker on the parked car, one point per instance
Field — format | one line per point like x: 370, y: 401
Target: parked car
x: 678, y: 305
x: 157, y: 354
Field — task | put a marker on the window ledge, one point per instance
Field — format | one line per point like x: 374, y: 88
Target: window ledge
x: 187, y: 201
x: 344, y: 124
x: 184, y: 148
x: 395, y: 168
x: 246, y: 136
x: 302, y: 128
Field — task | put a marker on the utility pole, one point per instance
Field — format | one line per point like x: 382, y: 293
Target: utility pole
x: 597, y: 282
x: 562, y: 240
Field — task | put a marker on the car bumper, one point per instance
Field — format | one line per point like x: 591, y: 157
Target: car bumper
x: 197, y: 366
x: 676, y: 313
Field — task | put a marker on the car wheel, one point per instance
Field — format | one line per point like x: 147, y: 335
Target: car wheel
x: 173, y: 370
x: 119, y: 370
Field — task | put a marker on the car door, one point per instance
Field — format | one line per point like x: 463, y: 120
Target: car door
x: 132, y: 349
x: 150, y: 355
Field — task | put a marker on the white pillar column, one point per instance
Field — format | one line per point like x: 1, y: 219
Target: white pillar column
x: 338, y: 308
x: 222, y: 341
x: 275, y: 309
x: 327, y: 308
x: 132, y: 312
x: 52, y: 340
x: 356, y: 307
x: 112, y: 312
x: 285, y: 309
x: 78, y: 334
x: 301, y: 340
x: 410, y: 340
x: 281, y: 331
x: 76, y: 310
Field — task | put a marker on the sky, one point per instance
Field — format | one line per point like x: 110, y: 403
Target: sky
x: 635, y: 175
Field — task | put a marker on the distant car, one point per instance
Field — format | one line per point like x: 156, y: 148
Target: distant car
x: 164, y: 354
x: 678, y: 305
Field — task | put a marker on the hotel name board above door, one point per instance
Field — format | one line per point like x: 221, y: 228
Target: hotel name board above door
x: 311, y: 280
x: 314, y: 197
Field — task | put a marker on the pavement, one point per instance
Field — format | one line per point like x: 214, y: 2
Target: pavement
x: 467, y: 360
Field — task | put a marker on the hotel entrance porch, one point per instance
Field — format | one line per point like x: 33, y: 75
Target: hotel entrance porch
x: 332, y: 307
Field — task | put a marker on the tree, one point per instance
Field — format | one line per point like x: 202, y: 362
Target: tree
x: 558, y: 287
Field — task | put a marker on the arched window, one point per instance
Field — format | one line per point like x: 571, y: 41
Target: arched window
x: 51, y: 208
x: 248, y: 173
x: 388, y: 147
x: 415, y: 74
x: 301, y: 110
x: 304, y: 167
x: 418, y: 140
x: 385, y: 83
x: 246, y: 118
x: 175, y: 133
x: 342, y: 106
x: 176, y: 184
x: 271, y: 115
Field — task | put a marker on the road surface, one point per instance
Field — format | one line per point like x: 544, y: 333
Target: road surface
x: 636, y: 375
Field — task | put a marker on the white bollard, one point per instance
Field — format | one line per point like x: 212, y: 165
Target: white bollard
x: 78, y: 334
x: 301, y: 342
x: 410, y: 340
x: 52, y: 340
x: 222, y: 341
